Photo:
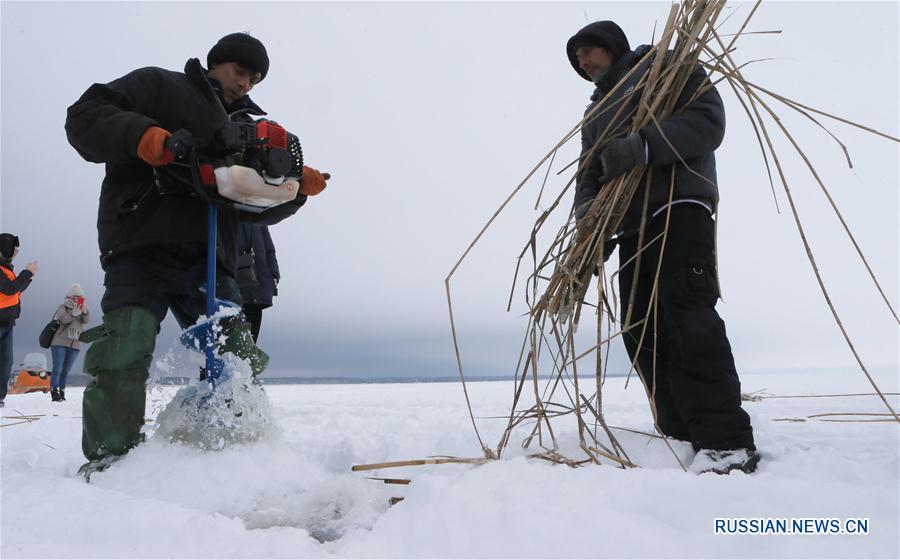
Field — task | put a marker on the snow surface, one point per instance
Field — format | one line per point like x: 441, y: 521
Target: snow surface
x: 292, y: 494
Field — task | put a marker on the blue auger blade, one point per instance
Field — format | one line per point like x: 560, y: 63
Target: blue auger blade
x: 202, y: 336
x: 206, y: 330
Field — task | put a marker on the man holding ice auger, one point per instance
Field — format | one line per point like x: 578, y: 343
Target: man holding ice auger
x: 152, y: 225
x: 697, y: 390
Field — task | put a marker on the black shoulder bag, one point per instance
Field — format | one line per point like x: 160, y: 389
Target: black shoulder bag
x: 48, y: 332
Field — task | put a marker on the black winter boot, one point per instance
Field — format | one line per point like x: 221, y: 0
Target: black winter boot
x: 54, y: 395
x: 62, y: 394
x: 725, y: 461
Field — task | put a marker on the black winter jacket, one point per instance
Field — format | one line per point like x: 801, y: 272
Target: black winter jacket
x: 8, y: 315
x: 258, y: 239
x: 105, y: 126
x: 695, y: 130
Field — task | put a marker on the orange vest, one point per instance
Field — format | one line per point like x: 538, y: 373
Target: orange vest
x: 5, y: 300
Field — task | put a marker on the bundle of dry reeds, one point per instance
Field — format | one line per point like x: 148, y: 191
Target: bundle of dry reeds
x: 560, y: 279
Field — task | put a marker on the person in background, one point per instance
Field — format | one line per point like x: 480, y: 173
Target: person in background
x: 11, y: 288
x: 73, y: 315
x: 258, y: 273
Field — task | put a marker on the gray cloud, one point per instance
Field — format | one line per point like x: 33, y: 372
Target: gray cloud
x: 428, y: 114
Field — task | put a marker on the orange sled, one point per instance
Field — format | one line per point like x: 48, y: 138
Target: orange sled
x: 32, y: 376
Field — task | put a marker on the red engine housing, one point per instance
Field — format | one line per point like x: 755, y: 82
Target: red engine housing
x: 277, y: 136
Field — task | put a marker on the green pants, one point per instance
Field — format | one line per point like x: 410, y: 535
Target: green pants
x: 119, y: 362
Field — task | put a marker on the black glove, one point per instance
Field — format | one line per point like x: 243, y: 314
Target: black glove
x: 621, y: 155
x: 181, y: 143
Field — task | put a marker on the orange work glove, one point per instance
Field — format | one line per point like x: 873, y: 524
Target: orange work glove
x: 152, y: 147
x: 312, y: 182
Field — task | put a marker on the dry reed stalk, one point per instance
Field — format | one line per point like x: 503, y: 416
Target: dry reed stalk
x: 824, y: 396
x: 21, y: 419
x: 873, y: 420
x: 26, y: 421
x: 555, y: 290
x: 755, y: 98
x: 819, y: 418
x: 401, y: 481
x: 823, y: 414
x: 418, y: 462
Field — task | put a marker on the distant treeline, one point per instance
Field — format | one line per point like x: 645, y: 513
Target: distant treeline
x: 79, y: 380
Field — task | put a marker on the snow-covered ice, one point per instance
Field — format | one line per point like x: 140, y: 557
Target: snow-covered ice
x: 292, y: 494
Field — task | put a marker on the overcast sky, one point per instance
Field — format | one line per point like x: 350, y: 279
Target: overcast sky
x: 428, y: 115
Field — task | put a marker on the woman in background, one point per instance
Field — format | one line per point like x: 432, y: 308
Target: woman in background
x: 73, y: 315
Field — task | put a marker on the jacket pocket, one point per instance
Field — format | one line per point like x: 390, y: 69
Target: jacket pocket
x: 702, y: 277
x: 120, y: 200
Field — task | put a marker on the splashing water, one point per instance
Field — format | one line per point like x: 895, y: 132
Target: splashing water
x: 236, y: 410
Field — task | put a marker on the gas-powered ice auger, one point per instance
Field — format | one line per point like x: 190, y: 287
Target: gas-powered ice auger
x: 251, y: 166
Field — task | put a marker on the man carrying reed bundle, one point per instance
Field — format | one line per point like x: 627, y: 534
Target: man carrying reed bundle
x: 685, y: 358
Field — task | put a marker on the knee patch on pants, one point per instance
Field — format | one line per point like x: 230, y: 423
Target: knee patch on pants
x: 125, y: 341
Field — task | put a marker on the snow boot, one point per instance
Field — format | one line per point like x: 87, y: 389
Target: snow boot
x: 723, y: 461
x: 54, y: 395
x: 96, y: 465
x: 62, y: 394
x: 119, y: 362
x: 239, y: 341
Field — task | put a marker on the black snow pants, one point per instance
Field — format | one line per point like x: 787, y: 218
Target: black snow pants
x: 163, y: 277
x: 692, y: 373
x: 141, y: 286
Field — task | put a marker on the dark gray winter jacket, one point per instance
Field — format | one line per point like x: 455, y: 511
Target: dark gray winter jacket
x: 695, y: 131
x: 258, y: 239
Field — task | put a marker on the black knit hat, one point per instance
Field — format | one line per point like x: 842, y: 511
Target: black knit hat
x: 604, y: 34
x: 242, y: 48
x: 8, y: 244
